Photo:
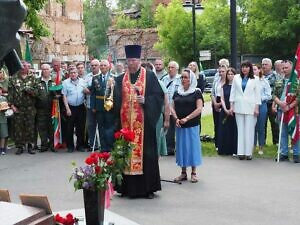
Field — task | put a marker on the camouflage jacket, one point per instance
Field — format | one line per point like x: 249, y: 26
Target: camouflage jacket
x: 44, y: 96
x: 22, y: 92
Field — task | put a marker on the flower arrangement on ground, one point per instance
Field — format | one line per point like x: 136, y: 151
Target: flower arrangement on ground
x: 69, y: 219
x: 103, y: 167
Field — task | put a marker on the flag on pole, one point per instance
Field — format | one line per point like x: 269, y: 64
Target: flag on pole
x: 28, y: 57
x: 290, y: 117
x: 56, y: 121
x: 109, y: 59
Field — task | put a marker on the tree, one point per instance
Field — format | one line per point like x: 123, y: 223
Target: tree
x: 126, y: 4
x: 272, y: 27
x: 33, y: 20
x: 96, y: 18
x: 175, y: 30
x: 146, y: 19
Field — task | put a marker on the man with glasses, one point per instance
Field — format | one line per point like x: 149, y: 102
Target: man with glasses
x: 171, y: 82
x: 138, y: 100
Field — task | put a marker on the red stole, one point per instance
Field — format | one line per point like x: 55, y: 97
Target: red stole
x: 132, y: 118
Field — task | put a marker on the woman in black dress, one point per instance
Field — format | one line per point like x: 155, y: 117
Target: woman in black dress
x: 227, y: 141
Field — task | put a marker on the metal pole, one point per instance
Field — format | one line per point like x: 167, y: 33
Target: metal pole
x: 233, y: 43
x: 194, y: 32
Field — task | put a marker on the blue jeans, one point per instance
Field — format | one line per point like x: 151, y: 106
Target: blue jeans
x: 260, y: 125
x: 285, y: 141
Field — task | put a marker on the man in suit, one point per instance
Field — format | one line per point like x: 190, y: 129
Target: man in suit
x: 100, y: 90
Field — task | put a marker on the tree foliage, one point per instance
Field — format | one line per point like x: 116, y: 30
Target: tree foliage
x: 33, y: 20
x: 146, y: 19
x: 96, y: 19
x: 175, y: 30
x: 272, y: 27
x: 126, y: 4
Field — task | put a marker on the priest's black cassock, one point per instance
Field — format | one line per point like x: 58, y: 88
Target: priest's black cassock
x: 149, y: 182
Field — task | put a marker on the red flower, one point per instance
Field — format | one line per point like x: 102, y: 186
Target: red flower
x: 91, y: 160
x: 129, y: 136
x: 69, y: 219
x: 105, y: 156
x: 98, y: 169
x: 110, y: 162
x: 59, y: 219
x: 118, y: 134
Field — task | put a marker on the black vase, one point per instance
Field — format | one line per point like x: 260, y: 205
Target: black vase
x: 94, y: 207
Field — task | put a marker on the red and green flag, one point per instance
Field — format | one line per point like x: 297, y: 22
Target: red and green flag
x: 291, y: 117
x: 56, y: 121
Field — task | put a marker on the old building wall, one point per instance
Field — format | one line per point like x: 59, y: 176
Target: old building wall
x: 67, y: 38
x: 118, y: 38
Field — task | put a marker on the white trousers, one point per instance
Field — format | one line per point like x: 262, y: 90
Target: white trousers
x: 246, y: 128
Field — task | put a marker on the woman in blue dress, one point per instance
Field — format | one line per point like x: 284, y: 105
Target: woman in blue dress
x: 187, y: 107
x: 227, y: 141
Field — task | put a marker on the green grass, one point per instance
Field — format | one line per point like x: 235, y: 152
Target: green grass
x: 206, y: 97
x: 208, y: 148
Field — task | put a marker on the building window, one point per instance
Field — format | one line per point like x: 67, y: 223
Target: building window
x: 63, y: 9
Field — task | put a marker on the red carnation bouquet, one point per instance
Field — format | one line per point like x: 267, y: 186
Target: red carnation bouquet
x: 100, y: 168
x: 69, y: 219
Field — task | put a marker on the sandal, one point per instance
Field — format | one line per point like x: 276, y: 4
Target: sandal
x: 182, y: 177
x: 194, y: 178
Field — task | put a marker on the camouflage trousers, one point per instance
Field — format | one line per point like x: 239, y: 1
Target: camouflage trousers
x: 24, y: 126
x: 45, y: 128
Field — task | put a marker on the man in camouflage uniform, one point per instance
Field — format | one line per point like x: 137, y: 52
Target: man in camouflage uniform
x: 43, y: 107
x: 21, y: 96
x: 279, y: 97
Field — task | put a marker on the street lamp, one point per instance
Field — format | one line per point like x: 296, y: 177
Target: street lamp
x: 194, y: 6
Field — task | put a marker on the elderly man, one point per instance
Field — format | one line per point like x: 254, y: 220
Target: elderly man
x: 90, y: 115
x: 21, y: 95
x: 278, y: 66
x: 138, y: 104
x: 43, y: 107
x: 284, y: 106
x: 119, y: 68
x: 271, y: 77
x: 171, y: 82
x: 100, y: 90
x: 73, y: 97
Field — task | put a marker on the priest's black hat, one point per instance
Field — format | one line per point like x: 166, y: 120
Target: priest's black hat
x: 133, y: 51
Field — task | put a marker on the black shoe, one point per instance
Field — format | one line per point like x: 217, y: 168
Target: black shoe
x: 283, y: 158
x: 296, y: 159
x: 249, y: 157
x: 149, y: 195
x: 43, y: 150
x: 30, y: 149
x: 19, y: 151
x: 52, y: 149
x: 80, y: 149
x: 70, y: 150
x: 241, y: 157
x: 171, y: 153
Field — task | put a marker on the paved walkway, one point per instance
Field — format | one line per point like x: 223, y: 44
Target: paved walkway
x: 230, y: 191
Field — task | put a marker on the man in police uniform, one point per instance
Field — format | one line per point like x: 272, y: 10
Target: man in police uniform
x: 100, y: 89
x: 21, y: 96
x: 43, y: 107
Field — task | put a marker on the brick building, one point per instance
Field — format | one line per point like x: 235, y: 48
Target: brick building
x: 67, y: 38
